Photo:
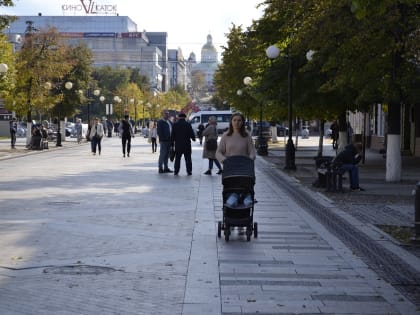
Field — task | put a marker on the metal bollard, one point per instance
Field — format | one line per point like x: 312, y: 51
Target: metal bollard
x: 417, y: 213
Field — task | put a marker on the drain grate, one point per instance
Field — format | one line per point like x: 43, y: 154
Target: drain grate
x: 62, y: 203
x: 79, y: 270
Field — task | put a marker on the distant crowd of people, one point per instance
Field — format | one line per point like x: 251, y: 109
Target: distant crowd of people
x: 174, y: 136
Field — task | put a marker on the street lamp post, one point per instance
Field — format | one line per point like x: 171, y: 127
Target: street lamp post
x: 261, y: 143
x: 68, y: 86
x: 272, y: 53
x: 96, y: 93
x: 144, y: 118
x: 117, y: 99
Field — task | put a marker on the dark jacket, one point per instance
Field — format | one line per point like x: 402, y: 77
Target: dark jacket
x: 125, y: 128
x: 13, y: 126
x: 348, y: 156
x: 182, y: 134
x: 163, y: 130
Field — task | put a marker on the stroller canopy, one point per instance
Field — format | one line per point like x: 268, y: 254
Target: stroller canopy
x: 238, y: 165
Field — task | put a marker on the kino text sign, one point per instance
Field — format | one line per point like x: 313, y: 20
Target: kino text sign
x: 90, y: 7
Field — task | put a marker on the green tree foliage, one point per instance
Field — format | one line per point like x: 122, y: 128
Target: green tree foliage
x: 365, y: 52
x: 6, y: 57
x: 142, y: 81
x: 43, y: 58
x: 5, y: 20
x: 176, y: 98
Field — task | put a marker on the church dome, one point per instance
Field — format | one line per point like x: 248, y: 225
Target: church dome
x: 192, y: 58
x: 209, y: 52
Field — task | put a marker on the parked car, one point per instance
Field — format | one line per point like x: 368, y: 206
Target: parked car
x: 70, y: 129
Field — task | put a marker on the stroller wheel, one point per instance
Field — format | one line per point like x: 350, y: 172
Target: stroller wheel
x: 227, y: 232
x: 248, y: 233
x: 219, y: 229
x: 255, y: 229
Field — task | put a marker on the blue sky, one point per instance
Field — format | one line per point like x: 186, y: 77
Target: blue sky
x: 188, y: 22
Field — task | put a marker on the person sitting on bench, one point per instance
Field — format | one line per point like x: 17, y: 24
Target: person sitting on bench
x: 349, y: 159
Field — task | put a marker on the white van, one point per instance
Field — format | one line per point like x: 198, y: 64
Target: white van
x: 202, y: 117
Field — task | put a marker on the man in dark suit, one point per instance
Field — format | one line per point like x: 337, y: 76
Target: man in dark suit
x: 164, y: 132
x: 182, y: 134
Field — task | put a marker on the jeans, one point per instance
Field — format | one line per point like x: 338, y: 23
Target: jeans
x: 13, y: 139
x: 215, y: 162
x: 96, y: 142
x: 233, y: 200
x: 164, y: 154
x: 354, y: 174
x: 126, y: 143
x: 154, y: 144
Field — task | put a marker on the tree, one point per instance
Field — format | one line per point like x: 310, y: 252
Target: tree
x: 6, y: 79
x: 42, y: 59
x: 366, y: 52
x: 5, y: 20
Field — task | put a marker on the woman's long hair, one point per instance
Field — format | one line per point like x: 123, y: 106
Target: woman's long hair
x: 242, y: 131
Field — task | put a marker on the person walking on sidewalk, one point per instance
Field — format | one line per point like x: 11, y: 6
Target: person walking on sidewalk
x: 182, y: 134
x: 79, y: 128
x: 96, y: 135
x: 13, y: 131
x: 210, y: 145
x: 200, y: 132
x: 126, y: 132
x: 153, y: 137
x: 349, y: 159
x: 334, y: 134
x: 164, y: 131
x: 236, y: 141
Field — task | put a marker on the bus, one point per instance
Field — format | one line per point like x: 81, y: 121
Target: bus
x: 202, y: 117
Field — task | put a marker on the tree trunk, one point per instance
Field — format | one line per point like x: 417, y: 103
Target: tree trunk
x: 393, y: 148
x: 342, y: 131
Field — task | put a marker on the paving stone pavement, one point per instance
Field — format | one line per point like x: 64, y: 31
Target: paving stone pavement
x: 82, y: 234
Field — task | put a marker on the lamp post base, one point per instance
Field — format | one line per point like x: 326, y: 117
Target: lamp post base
x: 290, y: 156
x: 261, y: 146
x: 58, y: 143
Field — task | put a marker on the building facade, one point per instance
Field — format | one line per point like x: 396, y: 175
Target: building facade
x: 113, y: 40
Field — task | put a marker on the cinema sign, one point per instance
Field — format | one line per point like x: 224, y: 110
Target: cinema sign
x: 89, y: 7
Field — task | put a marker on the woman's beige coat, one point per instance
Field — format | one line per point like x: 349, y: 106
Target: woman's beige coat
x: 209, y: 133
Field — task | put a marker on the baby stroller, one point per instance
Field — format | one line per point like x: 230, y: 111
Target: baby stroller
x: 238, y: 177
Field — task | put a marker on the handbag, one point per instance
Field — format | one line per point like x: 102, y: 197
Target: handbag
x: 172, y: 153
x: 211, y: 144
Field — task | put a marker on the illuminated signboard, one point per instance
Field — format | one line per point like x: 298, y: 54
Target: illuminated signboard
x: 90, y: 7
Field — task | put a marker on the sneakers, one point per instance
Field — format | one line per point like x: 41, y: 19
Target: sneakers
x: 219, y: 172
x: 357, y: 189
x: 208, y: 172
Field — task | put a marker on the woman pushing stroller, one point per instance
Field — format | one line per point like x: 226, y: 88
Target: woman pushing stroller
x: 236, y: 142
